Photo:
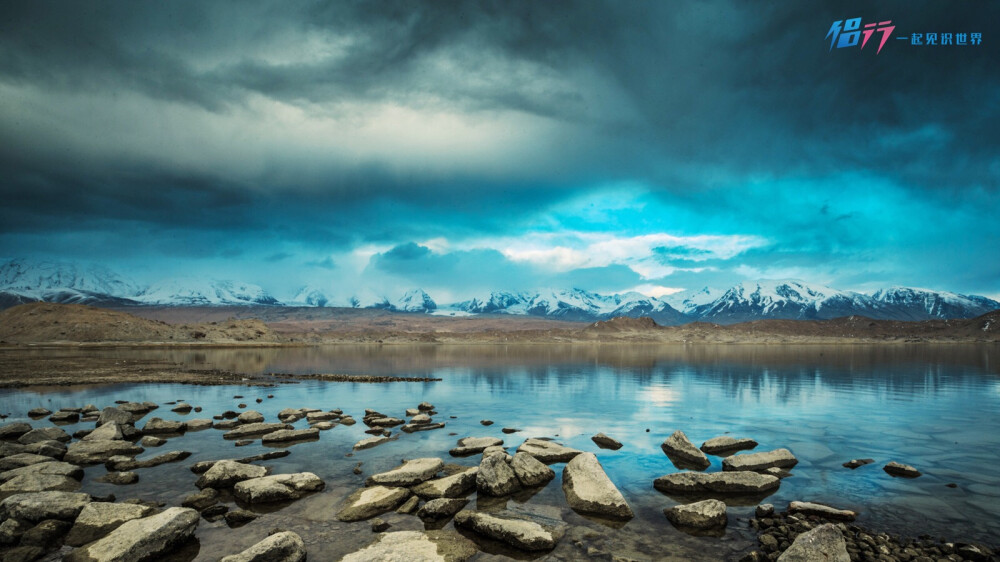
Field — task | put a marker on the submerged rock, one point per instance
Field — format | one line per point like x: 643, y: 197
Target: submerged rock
x: 547, y: 451
x: 119, y: 478
x: 496, y: 477
x: 279, y: 547
x: 286, y: 435
x: 519, y: 532
x: 683, y: 453
x: 898, y: 469
x: 589, y: 490
x: 158, y: 425
x: 279, y: 487
x: 742, y: 482
x: 370, y: 442
x: 100, y: 518
x: 412, y: 427
x: 605, y: 442
x: 455, y: 486
x: 821, y: 510
x: 423, y: 546
x: 468, y: 446
x: 855, y: 463
x: 727, y: 444
x: 530, y: 471
x: 369, y: 502
x: 822, y: 544
x: 409, y: 473
x: 141, y: 539
x: 703, y: 515
x: 778, y: 458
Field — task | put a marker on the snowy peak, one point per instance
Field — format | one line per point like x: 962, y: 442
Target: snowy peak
x: 311, y: 296
x: 575, y: 304
x: 44, y: 276
x: 688, y: 301
x: 192, y: 291
x: 784, y: 299
x: 415, y: 300
x: 934, y: 304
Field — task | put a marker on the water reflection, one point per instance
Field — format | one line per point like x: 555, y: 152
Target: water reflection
x: 935, y: 407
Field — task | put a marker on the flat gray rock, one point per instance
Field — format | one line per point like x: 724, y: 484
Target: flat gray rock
x: 44, y: 434
x: 589, y: 490
x: 409, y: 473
x: 899, y: 469
x: 468, y: 446
x: 415, y: 427
x: 455, y: 486
x: 416, y: 546
x: 530, y: 471
x: 822, y: 544
x: 100, y: 518
x: 279, y: 547
x: 778, y: 458
x: 743, y: 482
x: 278, y: 487
x: 141, y: 539
x: 158, y: 425
x: 35, y: 482
x: 727, y: 444
x: 370, y: 442
x: 519, y: 532
x: 825, y: 511
x: 12, y: 431
x: 683, y: 453
x: 441, y: 508
x: 96, y: 452
x: 287, y: 435
x: 21, y: 460
x: 703, y: 515
x: 198, y: 424
x: 369, y: 502
x: 52, y: 467
x: 111, y: 431
x: 226, y: 473
x: 38, y: 506
x: 251, y: 429
x: 547, y: 451
x: 112, y: 414
x: 250, y: 416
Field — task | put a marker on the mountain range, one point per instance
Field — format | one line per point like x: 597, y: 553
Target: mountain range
x: 23, y: 281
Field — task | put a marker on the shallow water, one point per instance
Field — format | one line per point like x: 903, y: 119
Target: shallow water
x: 933, y: 407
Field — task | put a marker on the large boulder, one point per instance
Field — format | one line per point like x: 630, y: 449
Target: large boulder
x: 369, y: 502
x: 226, y: 473
x: 38, y: 506
x: 422, y: 546
x: 143, y: 539
x: 589, y: 490
x: 496, y: 477
x: 100, y: 518
x: 824, y: 511
x: 56, y: 468
x: 12, y: 431
x: 778, y: 458
x: 547, y: 451
x: 726, y: 444
x: 700, y: 516
x: 519, y: 532
x: 683, y: 453
x: 744, y: 482
x: 530, y: 471
x: 279, y: 487
x: 117, y: 415
x: 111, y: 431
x: 822, y: 544
x: 253, y: 429
x: 455, y: 486
x: 279, y: 547
x: 22, y: 459
x: 95, y: 452
x: 44, y: 434
x: 34, y: 482
x: 468, y: 446
x: 53, y: 449
x: 409, y: 473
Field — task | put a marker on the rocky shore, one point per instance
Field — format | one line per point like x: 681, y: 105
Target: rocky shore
x: 46, y: 512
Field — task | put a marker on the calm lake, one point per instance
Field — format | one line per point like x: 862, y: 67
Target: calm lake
x: 936, y: 408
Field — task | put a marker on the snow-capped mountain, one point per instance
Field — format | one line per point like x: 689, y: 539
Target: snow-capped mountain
x: 415, y: 300
x: 918, y: 304
x: 25, y: 281
x: 310, y: 296
x: 784, y: 299
x: 687, y: 301
x: 575, y: 304
x: 194, y: 291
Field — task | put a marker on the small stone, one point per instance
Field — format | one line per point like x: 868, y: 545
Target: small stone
x: 486, y: 422
x: 379, y: 525
x: 238, y: 517
x: 855, y: 463
x: 683, y: 453
x: 898, y: 469
x: 441, y: 508
x: 702, y: 515
x: 119, y: 478
x: 605, y: 442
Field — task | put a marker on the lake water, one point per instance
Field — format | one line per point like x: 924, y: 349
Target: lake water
x: 934, y: 407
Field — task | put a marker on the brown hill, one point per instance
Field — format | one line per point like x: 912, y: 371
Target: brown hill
x: 48, y: 322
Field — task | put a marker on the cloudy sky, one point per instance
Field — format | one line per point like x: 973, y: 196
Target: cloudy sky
x: 502, y: 145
